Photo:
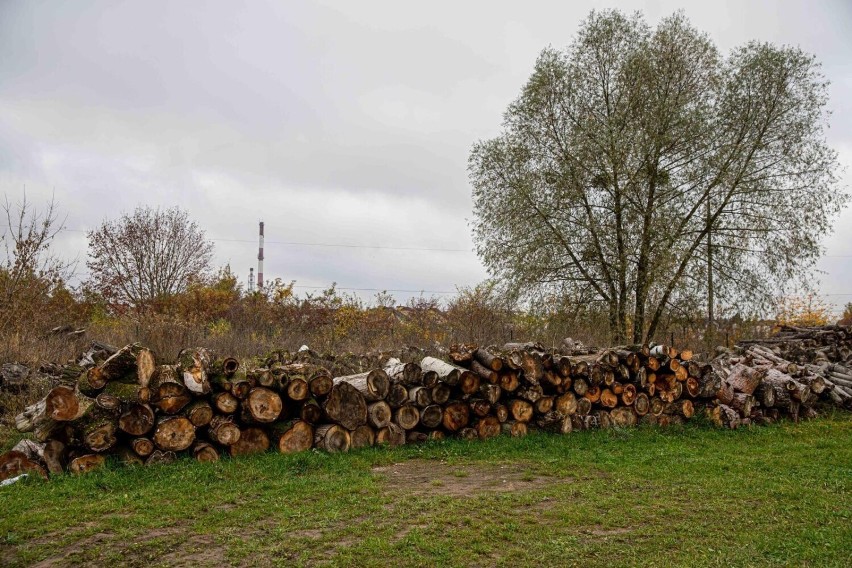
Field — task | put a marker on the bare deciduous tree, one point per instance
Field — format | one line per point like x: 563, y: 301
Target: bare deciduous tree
x: 639, y: 162
x: 30, y: 274
x: 148, y: 255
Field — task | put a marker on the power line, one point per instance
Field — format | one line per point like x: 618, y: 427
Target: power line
x: 377, y: 290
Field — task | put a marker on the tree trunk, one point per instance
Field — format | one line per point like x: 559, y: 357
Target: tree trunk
x: 407, y: 417
x: 373, y: 385
x: 142, y: 446
x: 362, y: 437
x: 199, y: 412
x: 174, y: 433
x: 332, y: 438
x: 457, y: 416
x: 346, y: 406
x: 138, y: 419
x: 431, y: 416
x: 264, y: 405
x: 204, y: 452
x: 223, y: 431
x: 298, y: 436
x: 521, y: 410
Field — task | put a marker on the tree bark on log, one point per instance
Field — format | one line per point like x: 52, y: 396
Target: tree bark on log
x: 297, y: 436
x: 174, y: 433
x: 346, y: 406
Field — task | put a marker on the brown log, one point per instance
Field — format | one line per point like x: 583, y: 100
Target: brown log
x: 86, y: 463
x: 392, y: 435
x: 484, y: 372
x: 106, y: 401
x: 457, y: 416
x: 174, y: 433
x: 555, y: 422
x: 691, y: 387
x: 414, y: 437
x: 297, y: 436
x: 580, y: 386
x: 223, y: 431
x: 252, y: 441
x: 159, y: 457
x: 657, y: 406
x: 563, y: 366
x: 121, y: 366
x: 373, y: 385
x: 501, y: 412
x: 199, y: 413
x: 441, y: 393
x: 468, y: 382
x: 608, y: 398
x: 544, y: 404
x: 320, y: 385
x: 593, y: 394
x: 362, y: 437
x: 743, y: 403
x: 346, y: 406
x: 138, y: 419
x: 624, y: 416
x: 566, y: 404
x: 514, y: 429
x: 628, y: 394
x: 14, y: 463
x: 264, y: 405
x: 765, y: 394
x: 142, y: 446
x: 682, y: 408
x: 297, y: 389
x: 488, y: 359
x: 407, y: 416
x: 398, y: 395
x: 468, y: 433
x: 65, y: 404
x: 204, y: 452
x: 509, y: 381
x: 379, y: 414
x: 488, y: 427
x: 428, y: 378
x: 725, y: 416
x: 168, y: 393
x: 745, y: 379
x: 480, y: 407
x: 420, y: 397
x: 642, y: 404
x: 311, y: 411
x: 490, y: 392
x: 584, y: 406
x: 225, y: 402
x: 521, y: 410
x: 431, y: 416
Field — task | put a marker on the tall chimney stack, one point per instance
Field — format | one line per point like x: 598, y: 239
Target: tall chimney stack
x: 260, y: 259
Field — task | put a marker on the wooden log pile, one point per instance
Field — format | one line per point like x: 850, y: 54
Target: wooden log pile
x: 127, y: 405
x: 790, y: 375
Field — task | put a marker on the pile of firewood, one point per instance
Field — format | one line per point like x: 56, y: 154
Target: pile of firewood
x: 786, y: 376
x: 126, y: 404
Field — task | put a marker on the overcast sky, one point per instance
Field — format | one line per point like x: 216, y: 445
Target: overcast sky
x: 335, y: 122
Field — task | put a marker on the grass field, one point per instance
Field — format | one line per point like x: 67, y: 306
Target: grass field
x: 692, y: 496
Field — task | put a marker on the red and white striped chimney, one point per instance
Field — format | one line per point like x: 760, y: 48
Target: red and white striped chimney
x: 260, y: 259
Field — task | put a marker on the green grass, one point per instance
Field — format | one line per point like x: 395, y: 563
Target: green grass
x: 692, y: 496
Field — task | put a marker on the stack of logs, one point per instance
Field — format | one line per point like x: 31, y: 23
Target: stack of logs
x: 130, y: 406
x: 786, y: 376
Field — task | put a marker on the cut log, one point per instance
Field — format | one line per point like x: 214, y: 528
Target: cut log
x: 468, y: 382
x: 407, y: 416
x: 414, y: 437
x: 745, y: 379
x: 362, y: 437
x: 297, y: 436
x: 485, y: 373
x: 683, y: 408
x: 223, y: 431
x: 264, y: 405
x: 252, y: 441
x: 98, y: 429
x: 138, y: 419
x: 225, y: 402
x: 488, y: 359
x: 457, y: 416
x: 514, y: 429
x: 490, y: 392
x: 509, y: 381
x: 397, y: 395
x: 530, y: 393
x: 409, y: 374
x: 608, y: 398
x: 320, y: 385
x: 86, y: 463
x: 501, y: 412
x: 332, y: 437
x: 392, y: 435
x: 441, y: 393
x: 446, y: 372
x: 121, y: 366
x: 479, y: 407
x: 542, y: 405
x: 743, y: 403
x: 420, y: 396
x: 379, y: 414
x: 297, y: 389
x: 311, y: 411
x: 642, y: 404
x: 431, y: 416
x: 204, y: 452
x: 193, y: 366
x: 584, y: 406
x: 160, y: 457
x: 521, y: 410
x: 346, y: 406
x: 624, y: 416
x: 142, y: 446
x: 174, y: 433
x: 199, y: 413
x: 168, y: 393
x: 554, y: 422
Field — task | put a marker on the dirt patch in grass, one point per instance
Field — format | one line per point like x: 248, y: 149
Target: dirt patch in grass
x: 425, y: 477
